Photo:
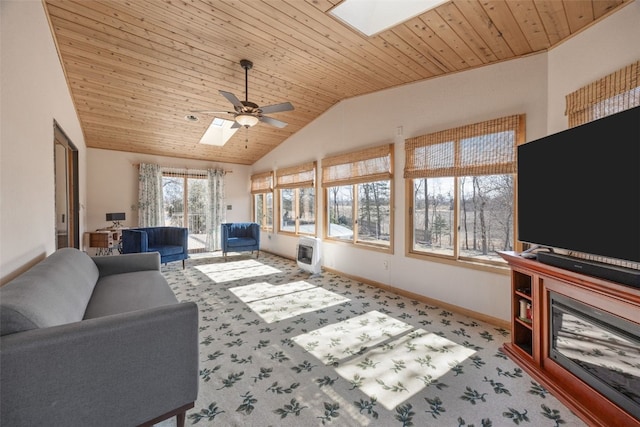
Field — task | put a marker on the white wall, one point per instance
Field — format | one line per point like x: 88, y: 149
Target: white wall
x: 594, y: 53
x: 112, y: 177
x: 513, y: 87
x: 33, y: 93
x: 535, y: 85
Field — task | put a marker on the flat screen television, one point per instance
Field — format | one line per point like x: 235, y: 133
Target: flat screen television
x: 579, y: 189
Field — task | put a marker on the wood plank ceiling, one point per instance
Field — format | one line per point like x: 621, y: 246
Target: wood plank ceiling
x: 136, y: 68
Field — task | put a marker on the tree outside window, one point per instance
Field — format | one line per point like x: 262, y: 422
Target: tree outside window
x: 262, y: 191
x: 297, y: 201
x: 461, y: 183
x: 365, y: 219
x: 185, y: 201
x: 358, y: 190
x: 263, y: 210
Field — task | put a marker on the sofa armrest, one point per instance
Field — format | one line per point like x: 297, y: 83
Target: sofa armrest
x: 255, y: 232
x: 224, y: 235
x: 123, y: 369
x: 127, y: 263
x: 134, y: 241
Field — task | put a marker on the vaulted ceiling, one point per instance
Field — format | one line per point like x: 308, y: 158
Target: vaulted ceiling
x: 136, y: 68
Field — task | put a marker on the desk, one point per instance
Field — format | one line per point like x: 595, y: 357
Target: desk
x: 106, y: 240
x: 103, y: 240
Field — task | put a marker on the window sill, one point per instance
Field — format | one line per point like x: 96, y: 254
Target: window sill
x: 463, y: 263
x: 360, y: 245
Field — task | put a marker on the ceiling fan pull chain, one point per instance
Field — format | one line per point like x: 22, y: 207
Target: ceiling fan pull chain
x: 246, y: 137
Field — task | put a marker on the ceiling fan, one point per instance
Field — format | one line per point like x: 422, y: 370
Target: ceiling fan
x: 247, y: 113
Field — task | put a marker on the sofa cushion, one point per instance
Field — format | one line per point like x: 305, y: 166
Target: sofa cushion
x: 166, y: 250
x: 54, y: 292
x: 122, y: 293
x: 236, y: 242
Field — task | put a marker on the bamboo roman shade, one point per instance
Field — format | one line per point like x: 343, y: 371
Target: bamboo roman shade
x: 297, y: 176
x: 372, y: 164
x: 485, y: 148
x: 183, y: 173
x: 262, y: 182
x: 611, y: 94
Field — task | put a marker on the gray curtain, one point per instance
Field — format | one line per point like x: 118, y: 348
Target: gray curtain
x: 150, y: 197
x: 216, y: 209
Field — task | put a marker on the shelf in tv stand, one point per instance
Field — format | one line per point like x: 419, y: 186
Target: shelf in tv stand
x: 532, y: 354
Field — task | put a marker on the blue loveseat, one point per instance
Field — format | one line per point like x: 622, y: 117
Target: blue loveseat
x: 240, y: 237
x: 170, y: 242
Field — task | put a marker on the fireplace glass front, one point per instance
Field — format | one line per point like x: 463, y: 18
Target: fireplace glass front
x: 601, y: 349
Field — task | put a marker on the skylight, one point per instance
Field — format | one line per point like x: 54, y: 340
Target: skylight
x: 373, y: 16
x: 219, y: 132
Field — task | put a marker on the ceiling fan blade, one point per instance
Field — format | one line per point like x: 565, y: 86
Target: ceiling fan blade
x: 277, y: 108
x: 212, y: 112
x: 273, y: 122
x: 232, y: 99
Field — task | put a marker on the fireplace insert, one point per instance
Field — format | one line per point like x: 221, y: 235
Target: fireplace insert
x: 600, y: 348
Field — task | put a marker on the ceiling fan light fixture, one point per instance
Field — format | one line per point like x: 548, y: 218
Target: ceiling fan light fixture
x: 246, y: 120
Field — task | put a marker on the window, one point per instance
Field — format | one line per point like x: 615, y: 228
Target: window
x: 611, y: 94
x: 358, y: 193
x: 262, y: 192
x: 185, y: 200
x: 461, y: 187
x: 297, y: 199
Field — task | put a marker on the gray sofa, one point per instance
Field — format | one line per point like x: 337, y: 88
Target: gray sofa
x: 99, y: 341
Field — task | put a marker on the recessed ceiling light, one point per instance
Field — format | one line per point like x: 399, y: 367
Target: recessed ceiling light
x: 373, y: 16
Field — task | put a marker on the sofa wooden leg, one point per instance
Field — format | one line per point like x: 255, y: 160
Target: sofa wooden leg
x: 180, y: 414
x: 183, y: 264
x: 180, y: 418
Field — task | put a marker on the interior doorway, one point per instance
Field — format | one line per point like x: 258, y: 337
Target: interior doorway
x: 65, y: 157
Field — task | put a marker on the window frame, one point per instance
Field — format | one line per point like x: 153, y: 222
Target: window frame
x: 354, y: 169
x: 613, y: 93
x: 619, y: 88
x: 262, y: 188
x: 185, y: 176
x: 457, y: 172
x: 296, y: 178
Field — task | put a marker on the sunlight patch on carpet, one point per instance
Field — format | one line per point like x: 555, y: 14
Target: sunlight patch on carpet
x: 236, y: 270
x: 338, y: 341
x: 377, y: 354
x: 263, y: 290
x: 274, y: 303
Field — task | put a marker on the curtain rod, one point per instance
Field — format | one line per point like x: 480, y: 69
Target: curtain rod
x: 137, y: 165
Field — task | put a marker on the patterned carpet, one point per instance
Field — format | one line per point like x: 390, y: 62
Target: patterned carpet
x: 280, y: 347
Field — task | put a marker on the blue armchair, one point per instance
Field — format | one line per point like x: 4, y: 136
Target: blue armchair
x: 240, y: 237
x: 170, y: 242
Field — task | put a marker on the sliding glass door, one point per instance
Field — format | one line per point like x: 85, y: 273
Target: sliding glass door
x: 185, y: 201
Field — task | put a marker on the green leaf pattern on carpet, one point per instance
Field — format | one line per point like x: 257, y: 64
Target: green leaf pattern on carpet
x: 279, y: 347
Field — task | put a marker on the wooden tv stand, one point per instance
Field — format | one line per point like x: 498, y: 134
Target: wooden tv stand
x: 532, y: 281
